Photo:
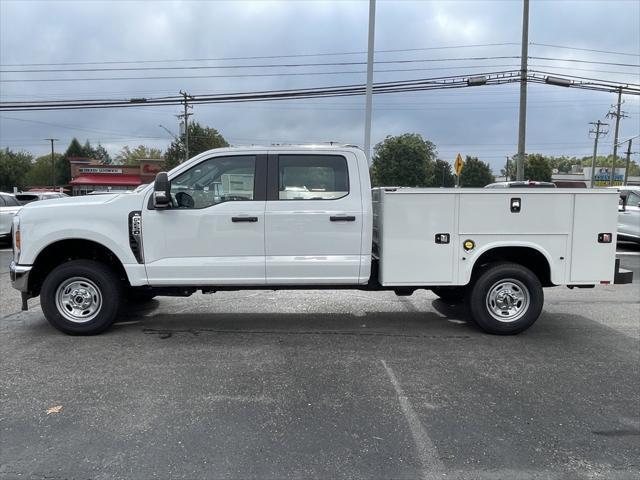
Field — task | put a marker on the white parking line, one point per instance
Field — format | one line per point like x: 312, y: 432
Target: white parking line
x: 432, y: 466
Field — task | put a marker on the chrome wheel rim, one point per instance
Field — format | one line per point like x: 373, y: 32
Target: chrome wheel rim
x: 508, y: 300
x: 78, y: 299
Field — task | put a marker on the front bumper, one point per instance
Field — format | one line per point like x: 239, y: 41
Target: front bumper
x: 19, y: 275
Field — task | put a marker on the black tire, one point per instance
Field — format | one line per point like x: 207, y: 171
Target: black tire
x: 501, y: 289
x: 92, y: 280
x: 450, y: 294
x: 134, y: 295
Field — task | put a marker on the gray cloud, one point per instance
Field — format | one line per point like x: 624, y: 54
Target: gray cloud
x: 480, y: 121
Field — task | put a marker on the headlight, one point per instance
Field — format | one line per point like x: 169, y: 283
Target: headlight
x: 17, y: 239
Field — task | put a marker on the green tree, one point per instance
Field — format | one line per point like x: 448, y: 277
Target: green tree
x: 475, y: 173
x: 14, y: 167
x: 74, y: 149
x: 128, y: 156
x: 201, y: 139
x: 63, y: 170
x: 443, y: 175
x: 405, y: 161
x: 100, y: 153
x: 537, y: 168
x: 41, y: 171
x: 563, y: 164
x: 87, y: 150
x: 602, y: 161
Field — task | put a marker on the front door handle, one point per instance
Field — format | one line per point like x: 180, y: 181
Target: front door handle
x: 342, y: 218
x: 244, y: 219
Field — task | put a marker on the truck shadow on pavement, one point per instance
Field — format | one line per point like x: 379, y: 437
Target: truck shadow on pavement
x: 413, y: 323
x: 442, y: 320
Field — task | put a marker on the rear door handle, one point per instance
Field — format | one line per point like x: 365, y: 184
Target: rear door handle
x: 244, y: 219
x: 342, y: 218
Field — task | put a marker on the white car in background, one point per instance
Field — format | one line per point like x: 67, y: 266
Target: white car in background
x: 9, y: 206
x: 28, y: 197
x: 629, y: 214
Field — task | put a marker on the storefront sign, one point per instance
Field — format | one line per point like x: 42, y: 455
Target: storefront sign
x: 100, y: 170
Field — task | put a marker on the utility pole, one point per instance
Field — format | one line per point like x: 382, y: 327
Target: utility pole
x: 618, y: 115
x: 597, y: 133
x: 369, y: 88
x: 522, y: 124
x: 506, y: 170
x: 53, y: 164
x: 626, y: 171
x: 185, y: 116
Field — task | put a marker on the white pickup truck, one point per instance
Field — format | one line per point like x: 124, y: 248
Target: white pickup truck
x: 305, y: 217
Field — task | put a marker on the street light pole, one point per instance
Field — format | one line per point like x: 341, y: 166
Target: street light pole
x: 618, y: 115
x: 522, y: 124
x: 186, y: 116
x: 369, y: 88
x: 626, y: 171
x: 53, y: 164
x: 598, y: 132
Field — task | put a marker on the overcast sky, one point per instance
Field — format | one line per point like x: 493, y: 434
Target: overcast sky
x: 480, y: 121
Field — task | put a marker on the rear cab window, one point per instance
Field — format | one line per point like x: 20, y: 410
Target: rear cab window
x: 312, y: 177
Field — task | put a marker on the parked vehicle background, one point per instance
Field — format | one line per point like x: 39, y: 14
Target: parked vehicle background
x: 629, y: 214
x: 521, y: 184
x: 9, y: 206
x: 28, y: 197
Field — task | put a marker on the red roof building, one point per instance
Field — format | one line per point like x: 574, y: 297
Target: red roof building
x: 88, y: 176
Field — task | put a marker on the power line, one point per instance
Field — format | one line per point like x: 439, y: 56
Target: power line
x: 252, y: 75
x: 580, y: 78
x: 584, y: 49
x: 593, y: 62
x: 262, y: 65
x: 316, y: 64
x: 577, y: 69
x: 307, y: 55
x: 264, y: 57
x: 72, y: 127
x: 436, y: 83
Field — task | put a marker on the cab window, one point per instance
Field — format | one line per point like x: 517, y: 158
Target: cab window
x: 312, y: 177
x: 214, y: 181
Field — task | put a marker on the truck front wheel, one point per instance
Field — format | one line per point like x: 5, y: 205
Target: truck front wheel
x: 505, y: 299
x: 81, y: 297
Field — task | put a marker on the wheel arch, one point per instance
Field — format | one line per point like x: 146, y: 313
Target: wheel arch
x: 61, y: 251
x: 535, y: 259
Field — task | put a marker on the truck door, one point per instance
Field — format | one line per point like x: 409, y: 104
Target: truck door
x: 313, y: 219
x: 213, y: 234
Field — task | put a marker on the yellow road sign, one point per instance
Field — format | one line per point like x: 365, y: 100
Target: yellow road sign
x: 458, y: 164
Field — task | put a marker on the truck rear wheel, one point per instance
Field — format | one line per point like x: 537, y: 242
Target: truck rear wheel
x: 505, y: 299
x: 450, y: 294
x: 81, y: 297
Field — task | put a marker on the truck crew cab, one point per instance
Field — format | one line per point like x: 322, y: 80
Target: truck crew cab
x: 306, y: 217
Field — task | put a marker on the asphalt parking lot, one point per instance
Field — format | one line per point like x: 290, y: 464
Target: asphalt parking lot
x: 324, y: 385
